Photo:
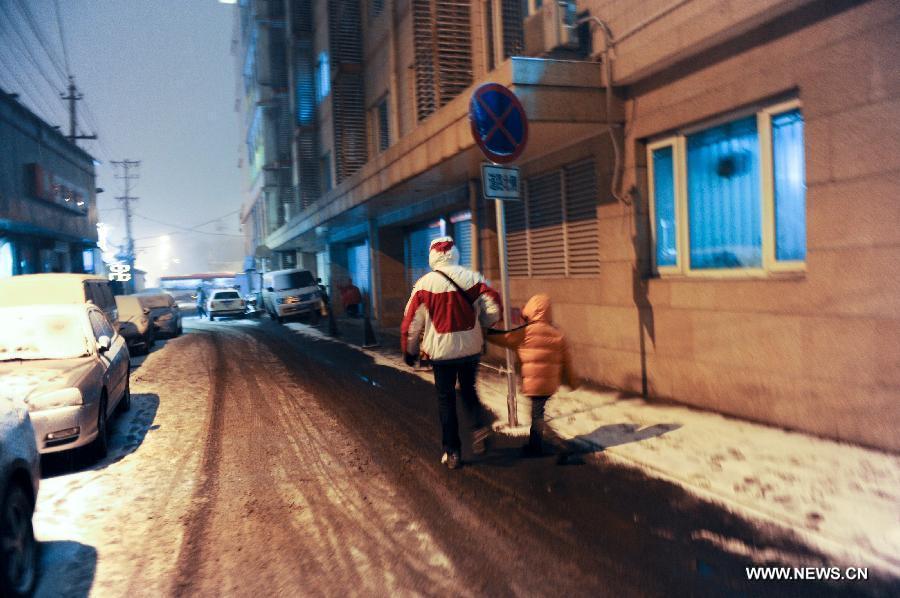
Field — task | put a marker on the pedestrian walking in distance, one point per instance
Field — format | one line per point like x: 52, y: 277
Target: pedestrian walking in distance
x: 201, y: 301
x: 448, y: 307
x: 545, y: 359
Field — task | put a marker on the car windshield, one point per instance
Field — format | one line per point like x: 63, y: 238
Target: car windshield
x: 155, y: 301
x: 42, y: 332
x: 226, y: 295
x: 129, y: 307
x: 293, y: 280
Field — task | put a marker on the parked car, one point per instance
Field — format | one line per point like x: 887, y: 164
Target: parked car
x: 291, y: 292
x: 225, y: 302
x: 20, y: 474
x: 70, y: 367
x: 164, y: 312
x: 35, y: 289
x: 135, y: 324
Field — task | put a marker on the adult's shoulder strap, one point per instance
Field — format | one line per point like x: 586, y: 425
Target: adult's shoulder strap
x: 458, y: 288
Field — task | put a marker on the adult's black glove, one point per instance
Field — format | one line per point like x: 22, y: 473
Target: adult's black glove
x: 409, y: 359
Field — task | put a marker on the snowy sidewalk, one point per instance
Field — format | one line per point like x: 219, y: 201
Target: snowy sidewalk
x: 841, y: 500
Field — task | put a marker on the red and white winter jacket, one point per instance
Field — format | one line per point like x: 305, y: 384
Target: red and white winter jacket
x: 451, y: 325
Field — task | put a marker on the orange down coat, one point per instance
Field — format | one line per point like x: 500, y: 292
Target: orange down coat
x: 541, y: 348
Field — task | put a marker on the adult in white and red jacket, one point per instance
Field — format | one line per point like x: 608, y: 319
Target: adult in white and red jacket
x: 450, y: 323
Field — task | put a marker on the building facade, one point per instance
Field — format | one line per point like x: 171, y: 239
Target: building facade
x: 709, y: 187
x: 48, y: 207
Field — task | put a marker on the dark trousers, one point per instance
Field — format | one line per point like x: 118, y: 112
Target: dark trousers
x: 536, y: 435
x: 445, y: 377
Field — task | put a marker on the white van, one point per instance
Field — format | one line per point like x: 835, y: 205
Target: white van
x: 290, y: 292
x: 56, y: 289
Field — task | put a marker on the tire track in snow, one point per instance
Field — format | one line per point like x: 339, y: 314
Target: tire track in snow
x: 190, y: 556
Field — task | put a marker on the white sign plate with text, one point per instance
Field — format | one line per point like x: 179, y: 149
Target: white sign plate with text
x: 500, y: 182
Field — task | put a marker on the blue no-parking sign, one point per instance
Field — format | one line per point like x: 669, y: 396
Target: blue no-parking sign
x: 499, y: 124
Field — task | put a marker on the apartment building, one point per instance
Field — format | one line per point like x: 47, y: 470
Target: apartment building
x: 709, y: 186
x: 48, y: 207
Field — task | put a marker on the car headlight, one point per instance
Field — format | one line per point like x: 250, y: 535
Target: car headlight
x: 67, y: 397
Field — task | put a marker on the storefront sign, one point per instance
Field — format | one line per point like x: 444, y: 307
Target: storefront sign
x: 48, y: 186
x: 119, y: 272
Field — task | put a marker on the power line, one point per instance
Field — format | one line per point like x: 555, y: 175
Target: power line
x: 28, y: 50
x: 182, y: 229
x: 39, y: 35
x: 223, y: 216
x: 37, y: 99
x: 88, y: 113
x: 62, y: 37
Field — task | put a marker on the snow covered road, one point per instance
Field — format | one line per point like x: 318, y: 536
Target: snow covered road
x: 260, y: 462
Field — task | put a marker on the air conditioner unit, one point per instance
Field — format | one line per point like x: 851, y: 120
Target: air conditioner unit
x: 552, y: 29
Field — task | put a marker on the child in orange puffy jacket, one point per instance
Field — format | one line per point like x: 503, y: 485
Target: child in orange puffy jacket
x: 545, y: 360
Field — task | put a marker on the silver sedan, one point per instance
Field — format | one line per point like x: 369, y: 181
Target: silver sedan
x: 20, y: 473
x: 71, y: 369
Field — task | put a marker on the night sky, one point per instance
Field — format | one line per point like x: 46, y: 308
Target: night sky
x: 159, y: 84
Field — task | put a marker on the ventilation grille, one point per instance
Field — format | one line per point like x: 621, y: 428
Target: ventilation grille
x: 344, y: 31
x: 553, y: 233
x: 423, y: 37
x: 489, y: 33
x: 348, y: 96
x: 307, y: 167
x: 301, y: 16
x: 513, y: 31
x: 516, y: 238
x: 545, y: 219
x: 349, y: 125
x: 278, y: 61
x: 285, y: 128
x: 443, y: 55
x: 581, y: 219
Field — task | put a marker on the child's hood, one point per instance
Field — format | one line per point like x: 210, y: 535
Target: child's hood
x: 538, y: 309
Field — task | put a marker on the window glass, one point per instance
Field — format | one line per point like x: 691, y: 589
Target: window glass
x: 724, y: 208
x: 790, y: 185
x: 100, y: 326
x: 6, y: 259
x: 293, y: 280
x: 105, y: 296
x: 664, y: 204
x: 42, y: 332
x: 418, y: 243
x: 90, y: 295
x: 462, y: 236
x: 323, y: 77
x: 358, y: 265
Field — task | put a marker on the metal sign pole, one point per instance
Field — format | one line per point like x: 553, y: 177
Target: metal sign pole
x: 500, y: 129
x: 507, y: 313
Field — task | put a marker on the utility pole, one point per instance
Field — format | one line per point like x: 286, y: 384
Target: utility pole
x: 126, y: 167
x: 73, y: 97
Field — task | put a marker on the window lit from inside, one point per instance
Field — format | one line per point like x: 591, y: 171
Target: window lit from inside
x: 731, y: 198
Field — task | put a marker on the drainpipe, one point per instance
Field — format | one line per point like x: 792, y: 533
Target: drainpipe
x: 606, y: 57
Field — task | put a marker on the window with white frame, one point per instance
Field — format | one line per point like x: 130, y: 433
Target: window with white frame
x: 730, y: 198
